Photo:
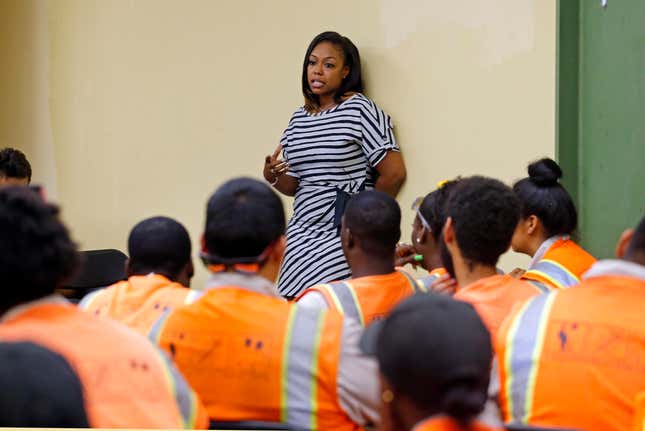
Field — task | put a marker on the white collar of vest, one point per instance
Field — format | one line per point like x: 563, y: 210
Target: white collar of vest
x: 14, y: 311
x: 544, y: 247
x: 616, y: 267
x: 252, y: 282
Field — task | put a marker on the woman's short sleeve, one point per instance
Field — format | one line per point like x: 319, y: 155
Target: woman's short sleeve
x: 284, y: 142
x: 377, y: 134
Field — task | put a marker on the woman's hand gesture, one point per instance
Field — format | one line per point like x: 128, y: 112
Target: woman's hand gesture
x: 274, y: 168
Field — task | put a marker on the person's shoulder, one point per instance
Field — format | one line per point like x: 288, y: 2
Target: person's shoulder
x: 359, y: 100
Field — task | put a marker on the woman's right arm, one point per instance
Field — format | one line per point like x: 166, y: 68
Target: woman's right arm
x: 275, y: 173
x: 287, y: 185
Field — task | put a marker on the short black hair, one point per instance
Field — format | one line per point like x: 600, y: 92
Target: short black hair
x: 484, y: 214
x: 40, y: 389
x: 375, y: 218
x: 243, y: 217
x: 433, y: 207
x: 636, y: 248
x: 354, y: 80
x: 14, y: 164
x: 159, y: 244
x: 37, y: 254
x: 541, y: 194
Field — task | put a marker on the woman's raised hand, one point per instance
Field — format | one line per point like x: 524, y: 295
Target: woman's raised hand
x: 274, y: 167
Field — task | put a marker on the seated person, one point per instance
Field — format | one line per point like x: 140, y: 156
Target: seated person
x: 39, y: 389
x: 482, y: 214
x: 14, y: 168
x: 251, y: 355
x: 547, y: 220
x: 426, y: 239
x: 434, y: 357
x: 159, y: 271
x: 369, y: 232
x: 127, y: 383
x: 576, y: 357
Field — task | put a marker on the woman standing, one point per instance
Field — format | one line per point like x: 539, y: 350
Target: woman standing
x: 336, y: 145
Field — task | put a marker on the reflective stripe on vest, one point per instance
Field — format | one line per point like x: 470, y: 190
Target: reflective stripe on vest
x: 428, y: 281
x: 524, y: 346
x: 555, y: 273
x: 540, y: 286
x: 347, y: 301
x: 417, y: 285
x: 299, y: 405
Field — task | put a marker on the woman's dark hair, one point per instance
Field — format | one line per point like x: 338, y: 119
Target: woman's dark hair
x: 37, y: 254
x: 433, y: 207
x: 353, y: 82
x: 14, y: 164
x: 541, y: 194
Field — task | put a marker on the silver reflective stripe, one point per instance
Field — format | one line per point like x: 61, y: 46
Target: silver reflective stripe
x: 183, y: 393
x: 555, y: 272
x: 302, y: 368
x: 523, y: 355
x: 429, y: 280
x: 348, y: 301
x: 414, y: 283
x: 541, y: 287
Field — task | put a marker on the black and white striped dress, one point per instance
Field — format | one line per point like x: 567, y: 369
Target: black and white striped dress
x: 330, y: 150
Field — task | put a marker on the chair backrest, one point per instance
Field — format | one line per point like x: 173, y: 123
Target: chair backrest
x: 99, y: 268
x: 515, y: 427
x: 248, y: 425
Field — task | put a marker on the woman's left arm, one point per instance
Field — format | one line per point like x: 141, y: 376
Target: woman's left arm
x: 391, y: 172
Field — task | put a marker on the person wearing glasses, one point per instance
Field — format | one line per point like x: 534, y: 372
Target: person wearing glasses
x: 369, y: 233
x: 338, y: 144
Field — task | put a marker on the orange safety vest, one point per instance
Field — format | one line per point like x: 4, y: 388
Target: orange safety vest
x: 575, y: 358
x: 445, y: 423
x: 562, y: 265
x: 429, y: 279
x: 139, y: 301
x: 365, y: 299
x: 494, y: 297
x: 250, y: 356
x: 127, y: 383
x: 639, y: 416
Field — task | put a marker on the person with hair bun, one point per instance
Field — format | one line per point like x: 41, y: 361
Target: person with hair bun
x: 548, y: 218
x: 336, y: 145
x: 434, y: 356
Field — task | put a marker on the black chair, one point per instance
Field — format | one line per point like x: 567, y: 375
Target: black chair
x: 518, y: 427
x: 248, y: 425
x: 99, y: 268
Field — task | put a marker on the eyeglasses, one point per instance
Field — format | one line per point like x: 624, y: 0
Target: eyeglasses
x: 416, y: 206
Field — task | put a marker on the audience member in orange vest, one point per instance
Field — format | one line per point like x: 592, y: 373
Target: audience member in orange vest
x: 434, y: 357
x: 159, y: 272
x: 576, y: 357
x: 14, y: 168
x: 639, y: 416
x: 39, y: 389
x: 251, y: 355
x: 547, y: 220
x: 127, y: 382
x: 426, y: 239
x: 370, y: 229
x: 482, y: 214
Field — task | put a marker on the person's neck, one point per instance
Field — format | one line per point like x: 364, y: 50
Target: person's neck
x: 535, y: 243
x: 432, y: 261
x: 468, y: 273
x: 326, y: 102
x: 364, y: 265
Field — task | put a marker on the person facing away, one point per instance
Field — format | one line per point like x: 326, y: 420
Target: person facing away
x: 14, y: 168
x: 159, y: 271
x: 127, y: 382
x: 547, y: 220
x: 576, y: 357
x: 39, y: 389
x: 426, y: 238
x: 434, y: 357
x: 369, y: 233
x: 338, y: 144
x: 250, y: 354
x: 481, y: 216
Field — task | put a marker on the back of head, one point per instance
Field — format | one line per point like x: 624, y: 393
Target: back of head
x: 433, y: 207
x: 159, y: 244
x: 484, y: 214
x: 243, y: 217
x: 36, y: 252
x: 375, y: 219
x: 541, y: 194
x: 437, y: 352
x: 40, y: 389
x: 636, y: 248
x: 14, y: 164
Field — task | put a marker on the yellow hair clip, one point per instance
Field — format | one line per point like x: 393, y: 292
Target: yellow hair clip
x: 440, y: 184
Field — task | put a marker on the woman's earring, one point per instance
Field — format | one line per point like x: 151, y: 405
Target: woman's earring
x: 418, y: 240
x: 387, y: 396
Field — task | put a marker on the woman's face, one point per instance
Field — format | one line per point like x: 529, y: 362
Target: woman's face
x: 520, y: 241
x: 326, y: 69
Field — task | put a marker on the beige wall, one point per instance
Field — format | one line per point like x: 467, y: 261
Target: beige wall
x: 153, y: 103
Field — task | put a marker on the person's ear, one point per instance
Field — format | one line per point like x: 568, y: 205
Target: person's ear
x: 278, y: 250
x: 448, y: 232
x: 345, y: 71
x: 531, y: 223
x: 190, y: 269
x: 202, y: 243
x: 623, y: 243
